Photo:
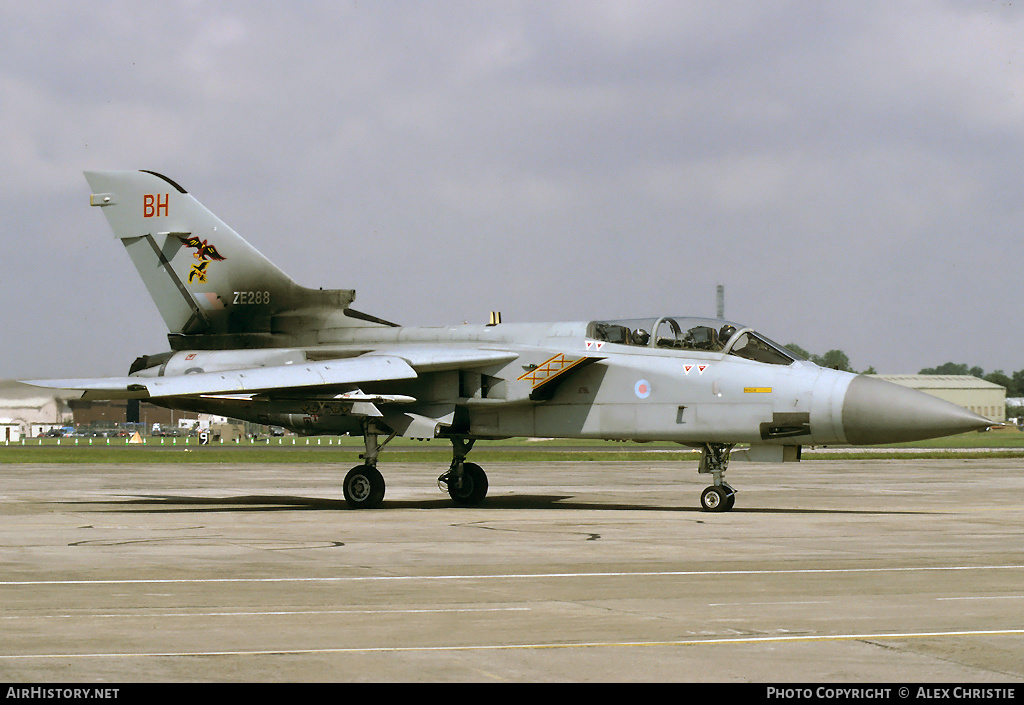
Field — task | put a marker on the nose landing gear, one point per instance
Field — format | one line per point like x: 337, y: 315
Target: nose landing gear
x: 719, y: 497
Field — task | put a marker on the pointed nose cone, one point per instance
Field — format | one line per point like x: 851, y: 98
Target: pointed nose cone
x: 876, y: 411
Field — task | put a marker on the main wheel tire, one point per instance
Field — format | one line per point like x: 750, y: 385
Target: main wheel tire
x: 717, y: 499
x: 364, y: 487
x: 474, y: 486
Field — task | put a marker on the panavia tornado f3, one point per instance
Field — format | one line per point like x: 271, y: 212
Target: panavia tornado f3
x: 249, y: 343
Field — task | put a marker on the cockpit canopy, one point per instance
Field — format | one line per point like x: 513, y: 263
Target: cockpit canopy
x: 697, y: 334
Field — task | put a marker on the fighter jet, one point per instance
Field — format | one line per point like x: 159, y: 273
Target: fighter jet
x: 249, y: 343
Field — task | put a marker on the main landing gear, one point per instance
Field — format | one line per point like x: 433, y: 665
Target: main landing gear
x: 719, y: 497
x: 364, y: 485
x: 466, y: 483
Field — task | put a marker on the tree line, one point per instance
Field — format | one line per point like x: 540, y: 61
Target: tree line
x: 1014, y: 383
x: 834, y: 359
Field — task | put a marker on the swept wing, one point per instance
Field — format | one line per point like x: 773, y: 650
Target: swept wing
x: 299, y: 376
x: 304, y: 375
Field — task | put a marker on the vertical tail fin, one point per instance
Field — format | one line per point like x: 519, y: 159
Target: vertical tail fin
x: 210, y: 286
x: 191, y: 262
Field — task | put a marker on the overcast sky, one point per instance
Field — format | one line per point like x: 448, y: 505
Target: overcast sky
x: 851, y: 172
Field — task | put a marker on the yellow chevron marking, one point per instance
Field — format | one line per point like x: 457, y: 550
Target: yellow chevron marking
x: 550, y: 368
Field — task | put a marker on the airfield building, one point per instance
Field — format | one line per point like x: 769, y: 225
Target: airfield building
x: 29, y: 411
x: 981, y: 397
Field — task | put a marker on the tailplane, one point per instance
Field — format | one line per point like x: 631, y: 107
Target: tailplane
x: 212, y: 288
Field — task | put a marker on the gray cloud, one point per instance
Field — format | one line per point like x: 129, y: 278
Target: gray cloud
x: 850, y: 172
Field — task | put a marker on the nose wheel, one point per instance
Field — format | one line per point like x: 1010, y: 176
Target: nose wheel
x: 718, y: 498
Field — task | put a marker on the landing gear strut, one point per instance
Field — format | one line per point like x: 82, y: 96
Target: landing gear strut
x: 466, y: 483
x: 364, y: 485
x: 719, y: 497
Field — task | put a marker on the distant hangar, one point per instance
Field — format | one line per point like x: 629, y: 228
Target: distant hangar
x: 27, y: 411
x: 981, y: 397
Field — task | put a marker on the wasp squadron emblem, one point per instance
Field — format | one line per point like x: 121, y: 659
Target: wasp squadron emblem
x: 205, y: 253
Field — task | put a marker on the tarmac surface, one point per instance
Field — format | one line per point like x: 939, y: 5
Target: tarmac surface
x: 826, y: 571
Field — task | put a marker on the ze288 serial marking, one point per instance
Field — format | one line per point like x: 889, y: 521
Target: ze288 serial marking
x: 251, y: 297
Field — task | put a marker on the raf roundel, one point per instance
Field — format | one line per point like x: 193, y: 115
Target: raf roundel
x: 642, y: 389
